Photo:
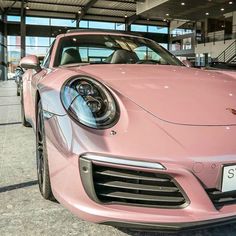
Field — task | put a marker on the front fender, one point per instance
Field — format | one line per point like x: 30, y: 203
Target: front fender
x: 49, y: 89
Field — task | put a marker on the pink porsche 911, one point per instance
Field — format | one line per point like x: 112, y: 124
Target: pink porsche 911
x: 127, y: 135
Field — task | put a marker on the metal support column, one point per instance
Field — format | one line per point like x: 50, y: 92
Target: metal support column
x: 22, y: 28
x: 3, y: 48
x: 169, y: 36
x: 127, y: 26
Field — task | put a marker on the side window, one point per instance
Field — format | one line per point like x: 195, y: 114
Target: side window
x: 47, y: 58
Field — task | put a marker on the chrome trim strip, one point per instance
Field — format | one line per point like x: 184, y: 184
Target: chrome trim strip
x: 118, y: 161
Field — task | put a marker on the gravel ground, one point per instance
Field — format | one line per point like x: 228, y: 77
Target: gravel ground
x: 22, y: 209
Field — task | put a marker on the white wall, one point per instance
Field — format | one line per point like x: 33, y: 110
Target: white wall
x: 214, y: 50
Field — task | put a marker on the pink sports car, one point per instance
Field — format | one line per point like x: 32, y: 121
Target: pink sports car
x: 127, y: 135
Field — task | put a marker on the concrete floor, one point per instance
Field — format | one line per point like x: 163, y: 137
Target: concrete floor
x: 22, y: 209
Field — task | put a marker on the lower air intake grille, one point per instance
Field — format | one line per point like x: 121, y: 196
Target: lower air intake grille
x: 115, y: 185
x: 220, y: 199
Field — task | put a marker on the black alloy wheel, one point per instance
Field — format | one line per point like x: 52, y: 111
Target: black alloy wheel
x: 42, y: 157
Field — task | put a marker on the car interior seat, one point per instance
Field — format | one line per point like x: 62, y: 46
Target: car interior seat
x: 70, y: 56
x: 122, y: 56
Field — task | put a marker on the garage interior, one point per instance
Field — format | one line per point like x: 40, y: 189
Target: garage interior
x: 201, y: 31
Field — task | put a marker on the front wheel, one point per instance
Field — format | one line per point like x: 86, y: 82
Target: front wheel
x: 42, y: 158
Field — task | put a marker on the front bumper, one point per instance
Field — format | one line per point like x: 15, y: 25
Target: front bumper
x: 68, y: 188
x: 175, y: 227
x: 199, y: 213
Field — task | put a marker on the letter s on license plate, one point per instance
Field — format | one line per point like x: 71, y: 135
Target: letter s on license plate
x: 229, y: 178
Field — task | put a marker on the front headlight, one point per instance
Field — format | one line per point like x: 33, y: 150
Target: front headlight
x: 89, y: 102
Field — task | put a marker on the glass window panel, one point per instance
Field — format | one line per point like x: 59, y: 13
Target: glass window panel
x: 37, y: 20
x: 98, y: 54
x: 51, y: 40
x: 146, y: 53
x: 164, y: 45
x: 63, y: 22
x: 94, y: 54
x: 83, y: 24
x: 101, y: 25
x: 37, y: 41
x: 179, y: 31
x: 139, y: 28
x: 120, y: 26
x: 101, y: 47
x: 13, y: 40
x: 38, y: 51
x: 158, y: 29
x: 13, y: 18
x: 187, y: 43
x: 13, y: 54
x: 84, y: 54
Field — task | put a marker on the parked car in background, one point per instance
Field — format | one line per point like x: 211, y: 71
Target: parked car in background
x: 18, y: 79
x: 127, y: 135
x: 221, y: 66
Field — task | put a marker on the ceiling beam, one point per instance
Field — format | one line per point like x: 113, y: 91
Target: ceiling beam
x: 75, y: 6
x: 9, y: 8
x: 54, y: 4
x: 113, y: 9
x: 71, y: 15
x: 130, y: 20
x: 85, y: 9
x: 1, y: 7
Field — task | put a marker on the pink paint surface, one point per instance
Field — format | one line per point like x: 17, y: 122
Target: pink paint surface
x: 176, y: 116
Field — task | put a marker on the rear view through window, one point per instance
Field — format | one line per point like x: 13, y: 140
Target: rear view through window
x: 112, y: 49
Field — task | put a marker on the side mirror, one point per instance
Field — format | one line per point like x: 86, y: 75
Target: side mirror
x: 187, y: 63
x: 30, y: 62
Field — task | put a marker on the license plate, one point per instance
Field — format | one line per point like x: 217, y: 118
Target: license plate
x: 229, y: 178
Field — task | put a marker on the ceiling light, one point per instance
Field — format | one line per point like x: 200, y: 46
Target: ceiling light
x: 207, y: 13
x: 222, y: 9
x: 126, y: 16
x: 183, y: 3
x: 230, y: 3
x: 27, y: 7
x: 79, y: 11
x: 167, y: 14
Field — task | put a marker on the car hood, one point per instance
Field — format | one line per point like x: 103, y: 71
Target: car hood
x: 178, y: 95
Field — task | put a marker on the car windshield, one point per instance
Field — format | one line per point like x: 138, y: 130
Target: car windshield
x: 111, y: 49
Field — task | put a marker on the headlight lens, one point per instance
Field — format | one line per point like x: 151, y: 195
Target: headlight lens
x: 90, y: 103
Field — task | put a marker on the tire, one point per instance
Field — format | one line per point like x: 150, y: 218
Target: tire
x: 42, y: 158
x: 18, y: 91
x: 23, y: 120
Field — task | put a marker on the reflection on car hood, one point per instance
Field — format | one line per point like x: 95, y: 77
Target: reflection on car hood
x: 175, y: 94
